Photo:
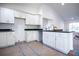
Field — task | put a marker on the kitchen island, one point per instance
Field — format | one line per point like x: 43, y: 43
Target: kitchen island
x: 59, y: 40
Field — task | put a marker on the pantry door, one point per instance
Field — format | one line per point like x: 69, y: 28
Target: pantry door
x: 19, y: 29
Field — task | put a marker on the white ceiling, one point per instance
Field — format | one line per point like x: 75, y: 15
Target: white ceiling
x: 24, y: 7
x: 66, y: 11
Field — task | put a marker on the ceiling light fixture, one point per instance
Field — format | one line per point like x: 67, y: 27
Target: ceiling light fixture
x: 62, y: 3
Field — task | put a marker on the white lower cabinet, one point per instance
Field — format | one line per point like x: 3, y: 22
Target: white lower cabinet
x: 60, y: 41
x: 6, y: 39
x: 49, y: 38
x: 3, y: 39
x: 64, y: 42
x: 10, y: 38
x: 32, y: 35
x: 45, y: 38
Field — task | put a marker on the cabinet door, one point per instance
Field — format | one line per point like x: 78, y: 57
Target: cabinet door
x: 45, y: 38
x: 36, y: 19
x: 63, y: 42
x: 10, y: 38
x: 32, y: 36
x: 7, y: 15
x: 66, y: 42
x: 36, y: 35
x: 29, y: 36
x: 52, y: 39
x: 29, y: 19
x: 59, y: 42
x: 3, y: 41
x: 49, y: 39
x: 32, y: 19
x: 70, y: 40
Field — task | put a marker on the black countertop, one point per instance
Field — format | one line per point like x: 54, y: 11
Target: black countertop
x: 10, y: 30
x: 6, y: 30
x: 56, y: 31
x: 46, y: 30
x: 33, y: 29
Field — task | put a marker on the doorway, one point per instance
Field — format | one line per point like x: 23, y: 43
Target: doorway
x: 19, y: 29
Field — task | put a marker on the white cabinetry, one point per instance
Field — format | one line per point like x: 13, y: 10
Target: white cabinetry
x: 64, y: 42
x: 70, y: 37
x: 32, y: 19
x: 45, y: 38
x: 49, y: 38
x: 60, y: 41
x: 6, y: 15
x: 52, y: 39
x: 6, y: 39
x: 32, y: 35
x: 3, y: 39
x: 10, y: 38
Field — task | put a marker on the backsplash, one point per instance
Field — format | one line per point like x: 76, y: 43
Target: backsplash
x: 47, y: 24
x: 6, y: 26
x: 32, y: 26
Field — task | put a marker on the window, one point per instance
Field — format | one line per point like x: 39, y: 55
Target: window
x: 74, y: 27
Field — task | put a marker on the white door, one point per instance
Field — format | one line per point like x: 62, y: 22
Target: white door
x: 19, y: 29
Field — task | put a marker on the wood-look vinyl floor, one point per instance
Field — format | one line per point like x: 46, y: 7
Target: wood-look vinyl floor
x: 29, y: 49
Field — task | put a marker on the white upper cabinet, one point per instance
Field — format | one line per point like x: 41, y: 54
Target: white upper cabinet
x: 32, y: 19
x: 19, y: 14
x: 6, y: 15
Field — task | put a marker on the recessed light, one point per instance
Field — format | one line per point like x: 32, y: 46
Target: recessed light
x: 62, y: 3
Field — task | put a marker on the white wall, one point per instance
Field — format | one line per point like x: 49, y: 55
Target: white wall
x: 49, y: 13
